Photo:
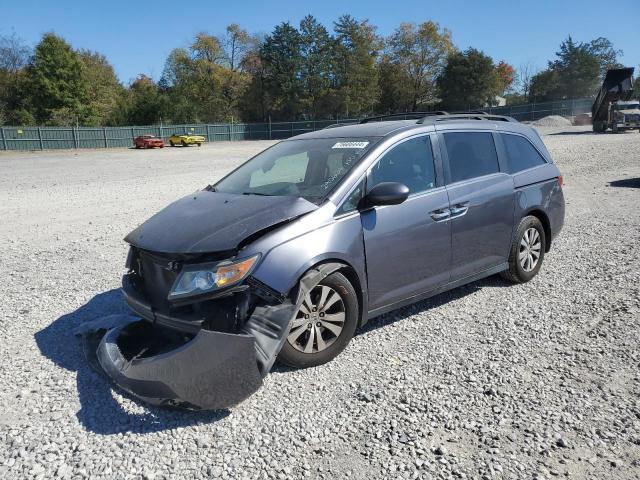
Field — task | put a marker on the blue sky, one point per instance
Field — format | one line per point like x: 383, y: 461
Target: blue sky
x: 136, y: 37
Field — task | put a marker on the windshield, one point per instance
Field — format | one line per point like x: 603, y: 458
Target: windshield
x: 304, y: 168
x: 628, y: 106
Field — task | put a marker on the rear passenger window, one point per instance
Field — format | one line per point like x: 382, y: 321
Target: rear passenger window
x: 471, y: 154
x: 520, y: 153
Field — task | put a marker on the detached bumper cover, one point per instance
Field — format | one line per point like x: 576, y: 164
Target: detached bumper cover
x: 209, y: 371
x: 212, y: 371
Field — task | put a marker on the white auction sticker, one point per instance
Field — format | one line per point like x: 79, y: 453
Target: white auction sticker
x: 350, y: 145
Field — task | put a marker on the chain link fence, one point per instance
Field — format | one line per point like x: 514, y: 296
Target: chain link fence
x: 45, y: 138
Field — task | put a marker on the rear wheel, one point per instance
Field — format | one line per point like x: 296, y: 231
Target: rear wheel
x: 323, y: 325
x: 184, y: 144
x: 199, y: 144
x: 527, y: 251
x: 171, y: 143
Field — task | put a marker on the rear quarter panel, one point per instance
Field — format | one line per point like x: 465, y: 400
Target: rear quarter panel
x: 538, y: 189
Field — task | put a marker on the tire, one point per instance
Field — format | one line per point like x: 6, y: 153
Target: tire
x: 523, y: 251
x: 614, y: 128
x: 184, y: 144
x: 171, y: 143
x: 346, y: 306
x: 199, y: 144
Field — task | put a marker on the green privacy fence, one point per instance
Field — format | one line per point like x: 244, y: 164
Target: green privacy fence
x: 45, y: 138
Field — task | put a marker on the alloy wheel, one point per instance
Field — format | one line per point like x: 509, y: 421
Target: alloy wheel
x: 530, y: 248
x: 319, y: 320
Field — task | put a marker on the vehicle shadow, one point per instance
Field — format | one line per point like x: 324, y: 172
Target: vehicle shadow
x: 626, y: 183
x: 432, y: 302
x: 403, y: 313
x: 99, y: 411
x: 582, y: 132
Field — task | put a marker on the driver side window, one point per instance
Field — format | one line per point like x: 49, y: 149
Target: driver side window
x: 410, y: 163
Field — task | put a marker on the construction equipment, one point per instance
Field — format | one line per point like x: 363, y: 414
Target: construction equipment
x: 614, y: 109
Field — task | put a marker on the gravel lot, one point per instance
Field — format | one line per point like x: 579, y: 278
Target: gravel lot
x: 487, y: 381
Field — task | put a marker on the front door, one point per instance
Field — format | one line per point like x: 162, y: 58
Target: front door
x: 407, y: 246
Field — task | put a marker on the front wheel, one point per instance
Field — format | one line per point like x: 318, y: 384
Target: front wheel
x: 184, y: 144
x: 171, y: 142
x: 323, y: 325
x: 527, y: 251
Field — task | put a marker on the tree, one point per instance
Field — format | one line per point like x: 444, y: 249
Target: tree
x: 525, y: 74
x: 59, y: 88
x: 14, y: 56
x: 207, y: 48
x: 253, y: 103
x: 544, y: 86
x: 506, y: 76
x: 577, y: 71
x: 356, y: 88
x: 237, y: 43
x: 282, y: 59
x: 416, y: 55
x: 315, y: 66
x: 104, y: 90
x: 469, y: 80
x: 145, y: 104
x: 605, y: 53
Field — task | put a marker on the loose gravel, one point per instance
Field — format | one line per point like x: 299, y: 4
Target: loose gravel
x: 488, y: 381
x: 552, y: 121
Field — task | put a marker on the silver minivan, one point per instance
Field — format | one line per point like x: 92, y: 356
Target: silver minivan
x: 286, y: 256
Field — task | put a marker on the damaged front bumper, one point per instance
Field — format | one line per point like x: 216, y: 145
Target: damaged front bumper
x: 174, y: 361
x: 207, y: 370
x: 171, y: 361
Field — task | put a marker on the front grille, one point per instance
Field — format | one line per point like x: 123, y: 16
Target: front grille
x: 156, y: 278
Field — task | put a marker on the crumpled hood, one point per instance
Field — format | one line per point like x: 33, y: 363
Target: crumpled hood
x: 211, y: 222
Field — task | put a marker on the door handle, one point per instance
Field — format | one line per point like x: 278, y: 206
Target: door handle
x: 459, y: 209
x: 440, y: 214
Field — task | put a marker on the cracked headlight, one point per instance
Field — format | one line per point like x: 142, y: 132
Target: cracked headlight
x: 202, y: 278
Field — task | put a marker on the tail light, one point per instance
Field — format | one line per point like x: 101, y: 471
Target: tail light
x: 560, y: 181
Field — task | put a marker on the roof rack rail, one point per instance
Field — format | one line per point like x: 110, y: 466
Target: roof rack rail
x: 461, y: 112
x: 467, y: 116
x: 413, y: 115
x: 335, y: 125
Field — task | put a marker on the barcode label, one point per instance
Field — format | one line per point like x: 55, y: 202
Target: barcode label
x: 350, y: 145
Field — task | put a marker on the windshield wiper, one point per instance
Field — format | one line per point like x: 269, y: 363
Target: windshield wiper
x: 258, y: 193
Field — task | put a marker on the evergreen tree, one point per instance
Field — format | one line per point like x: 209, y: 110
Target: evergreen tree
x: 59, y: 87
x: 355, y: 67
x: 315, y: 66
x: 282, y: 59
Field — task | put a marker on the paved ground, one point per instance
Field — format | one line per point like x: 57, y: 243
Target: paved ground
x: 488, y: 381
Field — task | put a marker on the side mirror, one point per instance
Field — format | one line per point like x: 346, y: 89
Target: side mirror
x: 385, y: 193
